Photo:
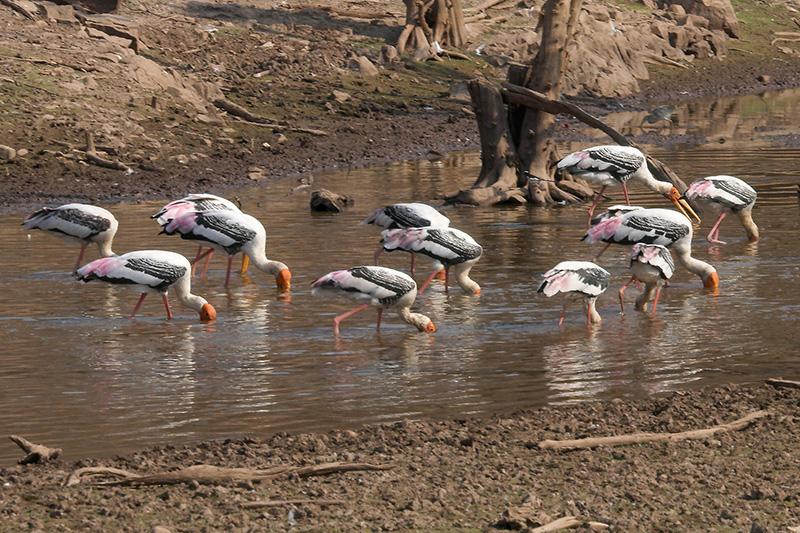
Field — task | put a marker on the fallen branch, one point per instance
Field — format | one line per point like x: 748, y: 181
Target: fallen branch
x: 638, y: 438
x: 37, y: 453
x: 238, y: 111
x: 280, y: 503
x: 93, y: 157
x: 655, y: 58
x: 777, y: 382
x: 208, y: 474
x: 565, y: 522
x: 78, y: 475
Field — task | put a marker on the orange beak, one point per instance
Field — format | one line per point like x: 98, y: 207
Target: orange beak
x: 284, y: 280
x: 712, y: 283
x: 430, y: 328
x: 208, y: 313
x: 682, y: 205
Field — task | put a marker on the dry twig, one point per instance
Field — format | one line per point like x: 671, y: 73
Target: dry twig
x: 638, y: 438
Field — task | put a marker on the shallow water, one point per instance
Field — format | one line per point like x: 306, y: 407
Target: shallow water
x: 79, y: 375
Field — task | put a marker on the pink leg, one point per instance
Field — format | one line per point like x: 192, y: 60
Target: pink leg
x: 198, y: 257
x: 712, y: 238
x: 655, y: 300
x: 380, y: 314
x: 621, y: 292
x: 589, y: 315
x: 427, y: 281
x: 563, y: 312
x: 228, y: 273
x: 138, y: 305
x: 446, y: 279
x: 412, y: 263
x: 345, y: 315
x: 625, y: 192
x: 84, y: 244
x: 208, y: 260
x: 377, y: 253
x: 166, y: 304
x: 602, y: 251
x: 596, y: 201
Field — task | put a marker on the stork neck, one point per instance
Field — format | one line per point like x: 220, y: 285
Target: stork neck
x: 105, y: 247
x: 417, y: 320
x: 649, y: 181
x: 183, y: 289
x: 683, y: 252
x: 265, y: 265
x: 746, y: 218
x: 461, y: 274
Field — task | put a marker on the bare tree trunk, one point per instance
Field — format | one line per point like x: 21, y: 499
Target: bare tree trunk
x: 429, y: 22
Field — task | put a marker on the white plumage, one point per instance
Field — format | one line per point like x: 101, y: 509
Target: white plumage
x: 448, y: 247
x: 652, y: 265
x: 375, y: 286
x: 615, y: 165
x: 153, y: 271
x: 231, y: 232
x: 196, y: 203
x: 80, y: 223
x: 730, y: 194
x: 576, y: 279
x: 407, y: 215
x: 655, y: 226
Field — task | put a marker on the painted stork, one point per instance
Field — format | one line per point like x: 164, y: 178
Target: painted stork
x: 408, y: 215
x: 154, y: 271
x: 376, y: 286
x: 655, y: 226
x: 231, y: 232
x: 652, y: 265
x: 615, y: 165
x: 448, y: 247
x: 576, y: 279
x: 77, y: 223
x: 731, y: 194
x: 195, y: 203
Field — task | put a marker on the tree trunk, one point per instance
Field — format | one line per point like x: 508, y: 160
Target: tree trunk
x: 428, y: 22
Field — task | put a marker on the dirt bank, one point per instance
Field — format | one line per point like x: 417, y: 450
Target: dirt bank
x: 471, y: 475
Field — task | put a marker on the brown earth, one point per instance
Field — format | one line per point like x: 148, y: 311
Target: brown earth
x: 463, y: 474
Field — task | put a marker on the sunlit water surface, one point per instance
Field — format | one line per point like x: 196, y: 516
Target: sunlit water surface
x: 78, y: 374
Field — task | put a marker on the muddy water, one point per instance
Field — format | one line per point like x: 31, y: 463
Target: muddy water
x: 78, y: 374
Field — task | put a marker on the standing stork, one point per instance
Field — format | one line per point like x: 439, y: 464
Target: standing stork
x: 77, y: 223
x: 655, y: 226
x: 154, y: 271
x: 576, y: 279
x: 446, y: 246
x: 195, y: 203
x: 652, y: 265
x: 376, y: 286
x: 407, y: 215
x: 730, y: 194
x: 615, y: 165
x: 231, y: 232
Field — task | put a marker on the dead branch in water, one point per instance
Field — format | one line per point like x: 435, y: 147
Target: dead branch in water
x: 208, y: 474
x: 37, y: 453
x: 638, y: 438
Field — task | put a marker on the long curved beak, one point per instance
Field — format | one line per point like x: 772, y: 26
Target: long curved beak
x: 682, y: 205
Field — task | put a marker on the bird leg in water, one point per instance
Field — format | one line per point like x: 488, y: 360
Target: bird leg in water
x: 563, y: 312
x: 655, y: 300
x: 596, y: 201
x: 412, y: 263
x: 714, y: 237
x: 625, y: 192
x: 166, y: 304
x: 377, y: 254
x: 380, y: 314
x: 84, y: 244
x: 138, y: 305
x: 621, y: 292
x: 350, y: 313
x: 207, y: 254
x: 602, y: 251
x: 228, y: 273
x: 427, y: 281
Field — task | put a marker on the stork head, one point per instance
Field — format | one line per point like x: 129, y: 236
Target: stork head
x: 680, y: 202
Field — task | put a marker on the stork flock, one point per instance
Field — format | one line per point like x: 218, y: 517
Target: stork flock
x: 415, y: 228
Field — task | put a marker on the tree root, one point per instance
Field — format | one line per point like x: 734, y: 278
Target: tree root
x: 92, y: 156
x: 638, y: 438
x: 208, y: 474
x: 37, y: 453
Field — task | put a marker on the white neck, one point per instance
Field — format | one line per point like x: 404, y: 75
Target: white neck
x: 265, y: 265
x: 461, y: 273
x: 646, y: 296
x: 683, y: 252
x: 104, y: 246
x: 644, y: 176
x: 183, y: 291
x: 589, y: 305
x: 415, y: 319
x: 746, y: 218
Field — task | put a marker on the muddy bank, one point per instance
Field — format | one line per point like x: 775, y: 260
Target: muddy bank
x: 474, y: 475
